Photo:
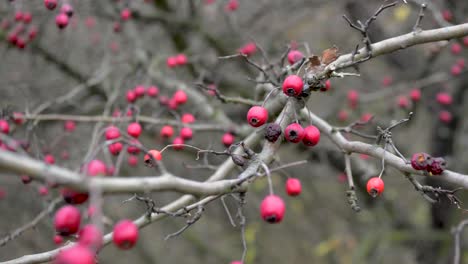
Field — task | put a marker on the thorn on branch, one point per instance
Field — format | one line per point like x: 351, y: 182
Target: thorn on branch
x: 198, y: 214
x: 436, y: 192
x: 363, y: 28
x: 417, y: 26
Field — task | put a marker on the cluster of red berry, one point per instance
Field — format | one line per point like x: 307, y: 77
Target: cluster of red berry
x: 67, y: 222
x: 22, y: 31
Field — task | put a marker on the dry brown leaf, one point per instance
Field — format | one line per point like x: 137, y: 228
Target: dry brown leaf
x: 314, y: 61
x: 330, y: 55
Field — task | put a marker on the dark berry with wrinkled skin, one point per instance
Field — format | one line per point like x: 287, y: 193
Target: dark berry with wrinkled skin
x: 437, y: 166
x: 420, y: 161
x: 272, y: 132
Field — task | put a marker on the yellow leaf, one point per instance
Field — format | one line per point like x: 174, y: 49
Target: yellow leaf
x: 402, y: 13
x: 326, y: 247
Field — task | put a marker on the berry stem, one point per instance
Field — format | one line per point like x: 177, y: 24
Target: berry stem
x: 267, y: 172
x: 383, y: 160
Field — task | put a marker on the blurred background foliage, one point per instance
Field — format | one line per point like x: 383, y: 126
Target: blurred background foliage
x: 319, y: 226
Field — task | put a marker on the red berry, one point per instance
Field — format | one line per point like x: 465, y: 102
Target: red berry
x: 20, y: 43
x: 43, y: 191
x: 58, y: 239
x: 164, y: 100
x: 96, y: 168
x: 248, y: 49
x: 76, y: 254
x: 90, y: 22
x: 110, y: 171
x: 140, y: 90
x: 178, y: 142
x: 456, y: 70
x: 465, y: 41
x: 4, y: 126
x: 447, y: 15
x: 125, y: 234
x: 343, y: 115
x: 272, y: 209
x: 387, y: 81
x: 188, y: 118
x: 444, y: 98
x: 49, y: 159
x: 364, y: 156
x: 403, y: 101
x: 342, y: 177
x: 181, y: 59
x: 73, y: 197
x: 26, y: 179
x: 294, y: 133
x: 112, y: 132
x: 186, y: 133
x: 131, y: 96
x: 152, y: 91
x: 326, y: 87
x: 180, y: 97
x: 61, y: 20
x: 65, y: 155
x: 415, y: 95
x: 125, y: 14
x: 32, y: 32
x: 18, y: 16
x: 117, y: 27
x: 67, y: 220
x: 293, y: 187
x: 115, y: 148
x: 172, y: 104
x: 132, y: 160
x: 236, y: 262
x: 167, y: 131
x: 134, y: 129
x: 69, y: 126
x: 171, y: 62
x: 18, y: 118
x: 257, y: 116
x: 50, y: 4
x: 366, y: 117
x: 134, y: 148
x: 294, y: 56
x: 353, y: 97
x: 67, y: 9
x: 152, y: 153
x: 375, y: 186
x: 445, y: 116
x: 311, y: 136
x: 27, y: 17
x: 456, y: 48
x: 232, y: 5
x: 292, y: 85
x: 228, y: 139
x: 90, y: 236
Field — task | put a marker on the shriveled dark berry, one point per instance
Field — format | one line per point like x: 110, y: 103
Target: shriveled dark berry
x: 272, y: 132
x: 420, y: 161
x: 437, y: 166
